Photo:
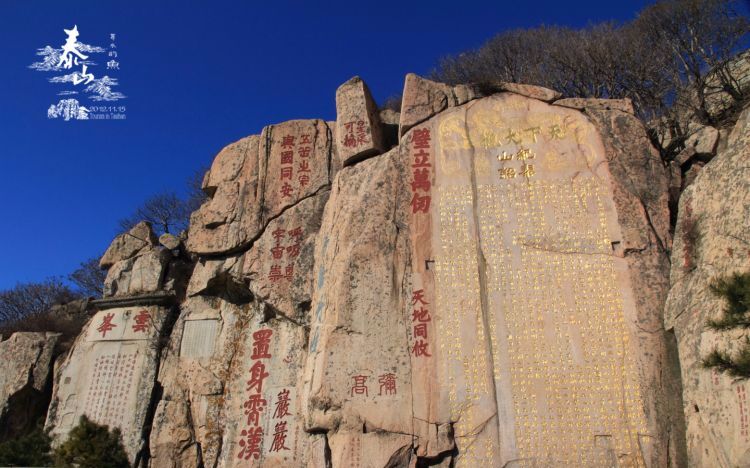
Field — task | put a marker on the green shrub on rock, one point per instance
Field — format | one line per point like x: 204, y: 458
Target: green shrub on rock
x: 32, y: 449
x: 735, y: 290
x: 91, y: 445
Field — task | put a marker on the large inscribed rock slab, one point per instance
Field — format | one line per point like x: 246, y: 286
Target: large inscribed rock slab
x: 524, y: 323
x: 109, y: 374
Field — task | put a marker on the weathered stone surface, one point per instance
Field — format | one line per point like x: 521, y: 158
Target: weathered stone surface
x: 206, y: 374
x: 390, y: 117
x: 535, y: 92
x: 138, y: 275
x: 359, y: 133
x: 279, y: 267
x: 493, y: 259
x: 685, y: 155
x: 234, y: 184
x: 488, y: 292
x: 423, y: 99
x: 359, y: 304
x: 623, y: 105
x: 129, y: 244
x: 703, y: 140
x: 25, y: 370
x: 171, y: 241
x: 217, y: 274
x: 711, y: 240
x: 193, y: 375
x: 285, y: 164
x: 109, y: 375
x: 718, y: 100
x: 691, y: 173
x: 446, y: 261
x: 302, y: 148
x: 640, y: 194
x: 283, y: 441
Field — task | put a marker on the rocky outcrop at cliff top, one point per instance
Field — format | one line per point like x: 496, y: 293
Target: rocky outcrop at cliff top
x: 487, y: 292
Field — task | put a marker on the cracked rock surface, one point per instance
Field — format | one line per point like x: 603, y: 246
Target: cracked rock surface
x: 487, y: 292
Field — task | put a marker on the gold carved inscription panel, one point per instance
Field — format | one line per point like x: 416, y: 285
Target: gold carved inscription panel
x: 523, y: 230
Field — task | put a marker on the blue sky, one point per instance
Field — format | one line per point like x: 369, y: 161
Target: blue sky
x: 197, y: 76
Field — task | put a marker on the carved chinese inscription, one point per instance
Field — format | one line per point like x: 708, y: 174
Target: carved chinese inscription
x: 107, y: 399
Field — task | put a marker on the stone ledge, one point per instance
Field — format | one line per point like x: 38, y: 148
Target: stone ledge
x: 146, y: 299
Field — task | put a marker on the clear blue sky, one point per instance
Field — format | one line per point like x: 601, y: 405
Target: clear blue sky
x: 199, y: 75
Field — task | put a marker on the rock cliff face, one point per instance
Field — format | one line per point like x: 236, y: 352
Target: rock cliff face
x: 25, y: 374
x: 478, y: 281
x: 712, y: 240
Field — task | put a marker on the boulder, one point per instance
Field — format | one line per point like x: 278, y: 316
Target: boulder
x: 711, y: 241
x: 359, y: 133
x: 25, y: 371
x: 137, y: 275
x: 170, y: 241
x: 423, y: 99
x: 703, y: 140
x: 232, y: 215
x: 129, y: 244
x: 255, y: 179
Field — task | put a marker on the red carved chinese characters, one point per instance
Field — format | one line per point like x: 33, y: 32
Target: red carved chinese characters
x: 250, y: 443
x: 282, y: 404
x: 303, y: 169
x: 290, y: 247
x: 255, y: 404
x: 359, y: 387
x: 106, y: 325
x: 420, y: 317
x: 743, y: 411
x: 287, y: 165
x: 387, y: 384
x: 141, y: 321
x: 257, y: 375
x: 279, y: 438
x: 261, y: 342
x: 355, y: 134
x: 421, y: 172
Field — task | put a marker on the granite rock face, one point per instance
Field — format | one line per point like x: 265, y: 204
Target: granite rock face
x: 711, y: 241
x: 484, y: 287
x: 25, y: 371
x: 254, y: 180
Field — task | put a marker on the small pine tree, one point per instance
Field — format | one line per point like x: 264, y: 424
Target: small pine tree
x: 92, y: 445
x: 735, y: 290
x: 32, y: 449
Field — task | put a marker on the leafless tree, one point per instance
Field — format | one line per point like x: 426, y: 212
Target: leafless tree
x: 89, y: 278
x: 667, y: 61
x: 166, y: 212
x: 29, y: 299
